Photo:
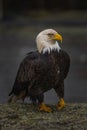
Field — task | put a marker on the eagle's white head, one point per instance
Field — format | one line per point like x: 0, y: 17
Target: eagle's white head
x: 47, y: 41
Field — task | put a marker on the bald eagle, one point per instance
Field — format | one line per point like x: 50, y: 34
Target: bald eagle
x: 42, y: 70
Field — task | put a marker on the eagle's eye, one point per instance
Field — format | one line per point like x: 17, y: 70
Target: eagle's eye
x: 50, y: 34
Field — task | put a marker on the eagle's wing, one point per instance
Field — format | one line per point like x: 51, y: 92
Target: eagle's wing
x: 24, y: 72
x: 23, y: 75
x: 35, y: 70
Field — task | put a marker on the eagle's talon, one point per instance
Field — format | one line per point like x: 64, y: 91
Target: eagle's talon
x: 43, y: 107
x: 61, y: 104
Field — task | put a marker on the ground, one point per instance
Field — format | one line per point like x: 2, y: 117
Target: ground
x: 27, y: 117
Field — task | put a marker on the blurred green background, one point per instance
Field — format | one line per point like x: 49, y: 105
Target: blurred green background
x: 22, y: 20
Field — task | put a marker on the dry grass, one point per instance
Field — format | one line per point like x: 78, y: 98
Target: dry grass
x: 27, y: 117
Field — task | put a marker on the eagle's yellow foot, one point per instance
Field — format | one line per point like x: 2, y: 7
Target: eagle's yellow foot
x: 43, y: 107
x: 61, y: 104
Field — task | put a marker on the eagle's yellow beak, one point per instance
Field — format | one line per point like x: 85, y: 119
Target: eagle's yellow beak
x: 57, y: 37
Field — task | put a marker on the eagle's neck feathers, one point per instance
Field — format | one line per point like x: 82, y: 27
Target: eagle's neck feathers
x: 50, y: 48
x: 44, y: 47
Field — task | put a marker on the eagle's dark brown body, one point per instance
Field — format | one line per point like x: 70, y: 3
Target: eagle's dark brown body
x: 39, y: 73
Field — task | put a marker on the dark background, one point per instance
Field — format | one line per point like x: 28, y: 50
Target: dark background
x: 22, y: 20
x: 8, y: 7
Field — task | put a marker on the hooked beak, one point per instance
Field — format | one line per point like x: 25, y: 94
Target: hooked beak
x: 57, y: 37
